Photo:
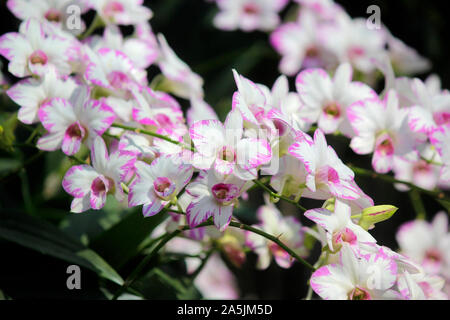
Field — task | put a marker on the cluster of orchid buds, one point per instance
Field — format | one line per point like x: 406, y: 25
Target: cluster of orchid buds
x: 89, y: 96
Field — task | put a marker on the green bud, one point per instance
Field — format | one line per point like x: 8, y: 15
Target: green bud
x: 375, y: 214
x: 329, y: 204
x: 274, y: 199
x: 99, y: 93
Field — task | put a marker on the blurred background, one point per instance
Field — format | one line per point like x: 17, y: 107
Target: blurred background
x: 37, y: 232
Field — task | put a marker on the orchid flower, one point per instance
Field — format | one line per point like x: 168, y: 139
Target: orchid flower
x: 30, y: 94
x: 420, y: 286
x: 158, y: 183
x: 356, y: 278
x: 423, y: 172
x: 427, y: 244
x: 121, y: 12
x: 326, y: 100
x: 51, y: 11
x: 200, y: 110
x: 431, y: 111
x: 224, y: 147
x: 214, y: 195
x: 300, y: 44
x: 33, y: 52
x: 89, y: 185
x: 326, y: 175
x: 139, y: 145
x: 353, y: 42
x: 112, y: 70
x: 182, y: 81
x: 289, y: 230
x: 339, y: 226
x: 440, y: 138
x: 216, y: 281
x: 72, y: 122
x: 248, y: 15
x: 158, y: 110
x: 382, y: 127
x: 250, y: 99
x: 142, y: 52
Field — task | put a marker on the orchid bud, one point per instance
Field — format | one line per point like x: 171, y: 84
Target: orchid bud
x: 375, y: 214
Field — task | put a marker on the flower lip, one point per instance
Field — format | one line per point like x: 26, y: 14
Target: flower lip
x: 76, y: 130
x: 225, y: 193
x: 384, y: 145
x: 227, y: 153
x: 53, y: 15
x: 356, y: 52
x: 101, y: 185
x: 333, y: 110
x: 359, y: 294
x: 333, y: 176
x: 422, y: 166
x: 163, y: 120
x: 433, y: 255
x: 441, y: 118
x: 281, y: 127
x: 38, y: 57
x: 312, y: 52
x: 118, y: 79
x: 164, y: 187
x: 328, y: 174
x: 346, y: 235
x: 251, y: 9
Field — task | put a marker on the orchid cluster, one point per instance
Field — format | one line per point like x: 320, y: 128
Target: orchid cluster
x: 89, y: 96
x: 319, y: 33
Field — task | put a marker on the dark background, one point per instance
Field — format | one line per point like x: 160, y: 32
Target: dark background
x: 187, y: 25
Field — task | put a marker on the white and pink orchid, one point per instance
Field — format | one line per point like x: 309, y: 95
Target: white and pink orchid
x: 325, y: 100
x: 339, y: 226
x: 248, y: 15
x: 72, y: 122
x: 90, y: 184
x: 223, y: 147
x: 326, y: 175
x: 356, y: 277
x: 158, y: 183
x: 34, y: 52
x: 30, y: 94
x: 427, y: 244
x: 289, y: 231
x: 214, y: 195
x: 382, y: 127
x: 121, y: 12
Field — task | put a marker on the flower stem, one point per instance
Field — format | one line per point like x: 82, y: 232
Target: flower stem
x: 96, y: 23
x: 417, y: 203
x: 169, y: 236
x: 151, y: 133
x: 201, y: 266
x: 144, y: 263
x: 437, y: 194
x: 276, y: 195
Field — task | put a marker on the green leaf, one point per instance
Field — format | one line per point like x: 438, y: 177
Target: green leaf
x: 49, y: 240
x: 103, y: 268
x: 159, y: 284
x: 445, y: 204
x: 121, y: 242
